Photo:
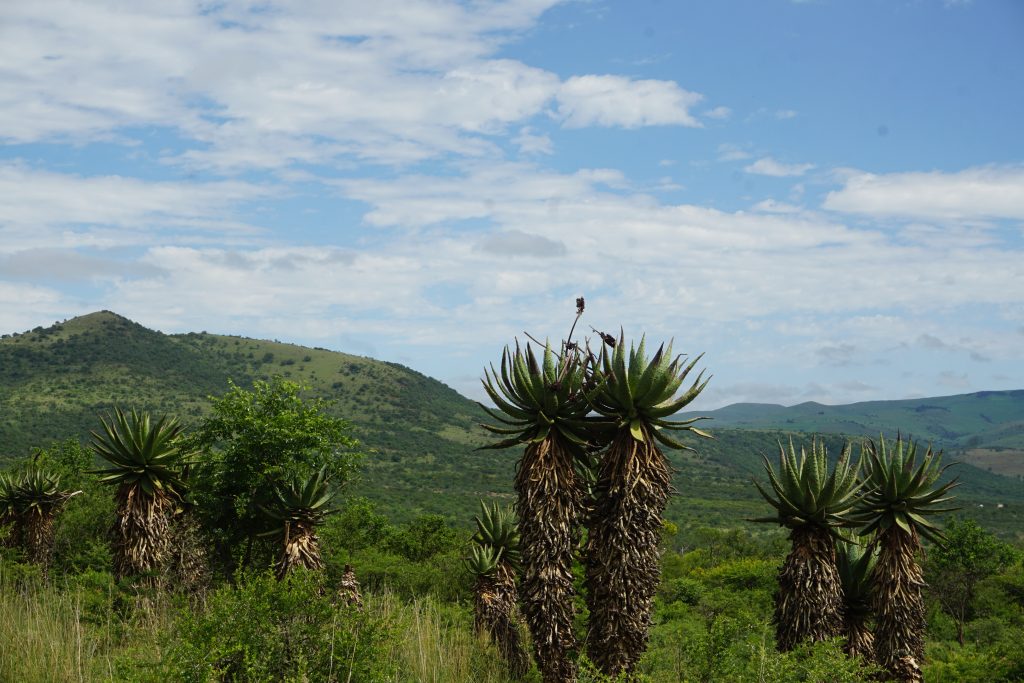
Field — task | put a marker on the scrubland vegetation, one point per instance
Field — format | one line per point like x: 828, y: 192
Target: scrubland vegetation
x: 235, y: 550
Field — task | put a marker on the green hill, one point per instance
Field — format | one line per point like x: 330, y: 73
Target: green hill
x: 55, y: 381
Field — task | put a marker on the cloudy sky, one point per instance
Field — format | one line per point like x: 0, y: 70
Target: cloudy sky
x: 825, y: 196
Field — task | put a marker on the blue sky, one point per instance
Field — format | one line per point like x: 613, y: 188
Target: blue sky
x: 826, y: 197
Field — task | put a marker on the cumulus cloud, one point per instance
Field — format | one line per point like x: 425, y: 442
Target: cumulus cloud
x: 771, y: 167
x: 978, y: 194
x: 620, y: 101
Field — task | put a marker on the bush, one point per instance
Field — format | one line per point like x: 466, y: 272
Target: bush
x: 266, y: 630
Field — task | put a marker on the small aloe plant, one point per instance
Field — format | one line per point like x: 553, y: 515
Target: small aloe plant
x: 495, y: 560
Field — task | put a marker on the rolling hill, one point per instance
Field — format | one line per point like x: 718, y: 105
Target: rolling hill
x: 985, y: 428
x: 54, y: 382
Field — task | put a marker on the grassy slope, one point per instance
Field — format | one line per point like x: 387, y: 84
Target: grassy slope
x: 54, y: 381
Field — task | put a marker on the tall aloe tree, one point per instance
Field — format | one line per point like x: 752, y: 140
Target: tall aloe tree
x: 902, y: 493
x: 495, y: 560
x: 144, y: 462
x: 300, y: 506
x: 856, y: 564
x: 636, y: 396
x: 38, y: 499
x: 543, y: 405
x: 813, y: 504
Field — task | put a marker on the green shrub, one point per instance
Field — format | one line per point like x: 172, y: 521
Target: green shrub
x: 685, y: 590
x: 266, y: 630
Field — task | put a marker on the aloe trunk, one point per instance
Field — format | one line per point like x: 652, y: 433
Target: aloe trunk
x: 900, y: 628
x: 623, y: 568
x: 808, y: 604
x: 549, y: 504
x: 141, y: 532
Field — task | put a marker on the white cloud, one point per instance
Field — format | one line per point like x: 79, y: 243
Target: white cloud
x: 47, y: 209
x: 620, y: 101
x: 785, y: 114
x: 271, y: 85
x: 533, y: 143
x: 771, y: 167
x: 728, y: 151
x: 773, y: 206
x: 978, y: 194
x: 719, y: 113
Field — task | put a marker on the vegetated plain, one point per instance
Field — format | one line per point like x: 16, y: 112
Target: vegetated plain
x: 711, y: 619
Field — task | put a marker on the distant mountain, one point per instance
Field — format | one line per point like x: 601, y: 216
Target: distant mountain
x: 986, y: 427
x: 55, y: 381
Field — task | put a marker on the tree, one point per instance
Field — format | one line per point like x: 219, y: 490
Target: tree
x: 813, y: 505
x: 144, y: 463
x: 543, y: 406
x: 900, y: 495
x: 635, y: 397
x: 256, y: 442
x: 969, y: 555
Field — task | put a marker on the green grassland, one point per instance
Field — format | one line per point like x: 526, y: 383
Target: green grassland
x: 422, y: 435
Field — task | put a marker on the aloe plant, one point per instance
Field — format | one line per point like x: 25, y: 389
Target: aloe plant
x: 35, y: 500
x: 814, y: 504
x: 856, y: 565
x: 635, y: 397
x: 300, y: 506
x: 901, y: 494
x: 542, y: 405
x: 495, y: 561
x: 145, y: 465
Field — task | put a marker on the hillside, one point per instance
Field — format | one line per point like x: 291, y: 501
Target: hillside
x: 985, y: 428
x: 55, y: 381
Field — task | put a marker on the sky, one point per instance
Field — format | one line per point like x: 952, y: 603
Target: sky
x: 825, y: 197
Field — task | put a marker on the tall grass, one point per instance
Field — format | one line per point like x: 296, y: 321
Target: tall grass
x: 436, y: 643
x: 62, y: 632
x: 47, y: 637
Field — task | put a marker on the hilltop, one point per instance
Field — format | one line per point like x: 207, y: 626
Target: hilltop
x: 55, y: 381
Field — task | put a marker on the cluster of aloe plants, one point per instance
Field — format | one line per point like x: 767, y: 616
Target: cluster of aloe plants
x: 155, y: 533
x: 590, y: 424
x: 834, y: 582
